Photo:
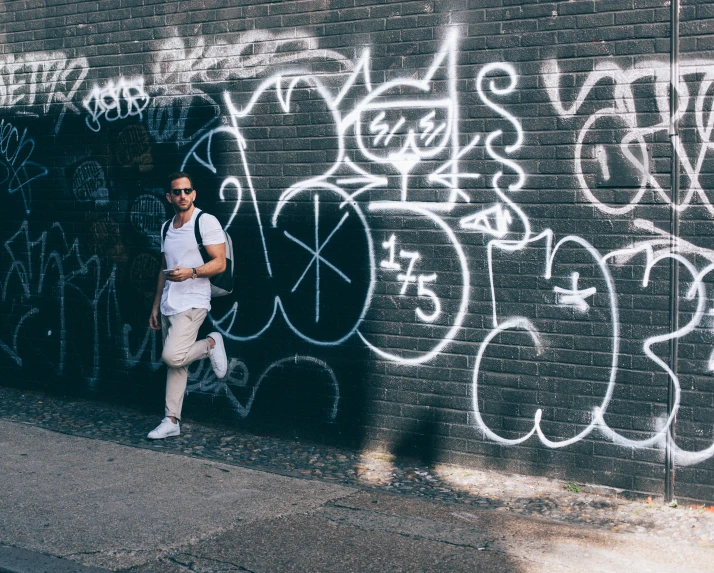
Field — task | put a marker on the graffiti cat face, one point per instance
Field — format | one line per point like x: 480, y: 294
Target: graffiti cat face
x: 403, y: 130
x: 406, y: 120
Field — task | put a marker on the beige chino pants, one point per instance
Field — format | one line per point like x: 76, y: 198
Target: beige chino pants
x: 179, y: 332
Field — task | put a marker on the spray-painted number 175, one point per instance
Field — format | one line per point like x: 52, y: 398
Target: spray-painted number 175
x: 408, y: 278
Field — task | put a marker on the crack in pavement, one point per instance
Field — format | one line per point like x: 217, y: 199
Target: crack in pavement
x: 191, y: 566
x: 406, y: 526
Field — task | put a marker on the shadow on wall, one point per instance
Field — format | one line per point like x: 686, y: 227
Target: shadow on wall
x: 300, y: 290
x: 80, y: 260
x: 80, y: 293
x: 419, y: 443
x: 83, y: 252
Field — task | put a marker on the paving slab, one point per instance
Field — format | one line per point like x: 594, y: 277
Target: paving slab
x: 376, y: 532
x: 115, y: 506
x: 137, y: 510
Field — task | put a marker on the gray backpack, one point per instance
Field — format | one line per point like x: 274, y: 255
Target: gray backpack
x: 221, y: 284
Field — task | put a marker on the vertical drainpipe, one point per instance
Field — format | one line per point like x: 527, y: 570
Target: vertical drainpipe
x: 674, y: 225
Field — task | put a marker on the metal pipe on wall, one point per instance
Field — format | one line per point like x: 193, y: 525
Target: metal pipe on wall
x: 674, y: 228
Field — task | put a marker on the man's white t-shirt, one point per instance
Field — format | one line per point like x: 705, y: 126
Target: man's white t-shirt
x: 181, y: 249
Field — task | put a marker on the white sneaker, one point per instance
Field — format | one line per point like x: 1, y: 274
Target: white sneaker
x: 218, y: 357
x: 165, y: 429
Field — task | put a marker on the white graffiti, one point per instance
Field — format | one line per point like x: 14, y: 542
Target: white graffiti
x: 527, y: 325
x: 450, y: 329
x: 664, y: 243
x: 635, y: 131
x: 178, y: 108
x: 493, y: 221
x: 180, y: 117
x: 375, y: 247
x: 404, y: 132
x: 390, y: 263
x: 45, y: 78
x: 578, y: 298
x: 203, y: 379
x: 113, y: 101
x: 187, y: 62
x: 40, y: 270
x: 405, y: 122
x: 17, y: 170
x: 408, y: 127
x: 317, y: 258
x: 574, y: 296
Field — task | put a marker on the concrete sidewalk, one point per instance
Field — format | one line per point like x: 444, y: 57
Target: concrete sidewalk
x: 100, y: 504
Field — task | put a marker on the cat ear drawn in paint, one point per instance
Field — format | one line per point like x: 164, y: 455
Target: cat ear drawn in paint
x: 298, y: 111
x: 405, y: 121
x: 312, y: 250
x: 534, y: 372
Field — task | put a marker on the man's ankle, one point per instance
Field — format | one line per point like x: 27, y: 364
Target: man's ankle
x: 211, y: 342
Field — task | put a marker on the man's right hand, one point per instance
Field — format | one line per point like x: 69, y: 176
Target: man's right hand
x: 155, y: 320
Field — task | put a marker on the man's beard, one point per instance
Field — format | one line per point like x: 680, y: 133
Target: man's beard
x: 180, y: 209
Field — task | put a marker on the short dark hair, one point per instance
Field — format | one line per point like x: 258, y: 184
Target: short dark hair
x: 177, y: 175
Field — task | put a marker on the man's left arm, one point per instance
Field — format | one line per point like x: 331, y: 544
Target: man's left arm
x: 216, y: 265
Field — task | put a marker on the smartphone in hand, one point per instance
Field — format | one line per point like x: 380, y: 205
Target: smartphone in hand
x: 168, y: 272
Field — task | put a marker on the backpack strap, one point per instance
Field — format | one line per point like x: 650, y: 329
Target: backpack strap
x: 197, y: 231
x: 165, y: 230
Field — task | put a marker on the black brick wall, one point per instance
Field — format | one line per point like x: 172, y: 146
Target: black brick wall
x: 491, y: 149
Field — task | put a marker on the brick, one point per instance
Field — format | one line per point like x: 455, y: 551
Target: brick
x: 386, y: 401
x: 578, y: 7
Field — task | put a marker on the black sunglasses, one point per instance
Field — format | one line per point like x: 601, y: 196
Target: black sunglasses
x: 187, y: 191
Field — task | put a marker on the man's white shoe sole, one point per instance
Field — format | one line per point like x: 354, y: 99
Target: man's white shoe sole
x: 159, y: 433
x: 219, y: 360
x: 157, y: 436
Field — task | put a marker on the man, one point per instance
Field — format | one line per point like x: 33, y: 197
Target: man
x: 183, y: 297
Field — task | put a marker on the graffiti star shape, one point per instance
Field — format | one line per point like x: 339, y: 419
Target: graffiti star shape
x: 575, y: 297
x: 317, y: 258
